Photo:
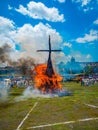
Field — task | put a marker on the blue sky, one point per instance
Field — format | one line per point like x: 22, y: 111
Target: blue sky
x: 72, y: 24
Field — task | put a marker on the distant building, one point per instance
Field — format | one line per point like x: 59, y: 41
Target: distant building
x: 74, y: 67
x: 93, y: 64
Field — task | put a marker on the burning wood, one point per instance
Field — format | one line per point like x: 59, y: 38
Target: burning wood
x: 46, y: 79
x: 45, y: 83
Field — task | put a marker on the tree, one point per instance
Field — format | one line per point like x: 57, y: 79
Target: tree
x: 89, y: 70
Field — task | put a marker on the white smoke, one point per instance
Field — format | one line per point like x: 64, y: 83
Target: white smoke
x: 31, y: 92
x: 3, y: 91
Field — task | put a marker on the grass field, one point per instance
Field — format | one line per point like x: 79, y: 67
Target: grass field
x: 76, y: 112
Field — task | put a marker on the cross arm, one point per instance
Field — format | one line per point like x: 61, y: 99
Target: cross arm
x: 49, y: 50
x: 42, y: 50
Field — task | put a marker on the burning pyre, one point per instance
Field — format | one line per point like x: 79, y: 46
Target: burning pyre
x: 45, y: 78
x: 45, y: 83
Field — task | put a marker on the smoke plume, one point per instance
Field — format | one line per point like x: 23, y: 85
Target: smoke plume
x: 5, y: 53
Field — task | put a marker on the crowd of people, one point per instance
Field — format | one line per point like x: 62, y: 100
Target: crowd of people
x: 25, y: 82
x: 88, y: 81
x: 17, y: 82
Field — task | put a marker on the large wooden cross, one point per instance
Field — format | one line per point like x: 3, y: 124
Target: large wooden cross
x: 49, y: 70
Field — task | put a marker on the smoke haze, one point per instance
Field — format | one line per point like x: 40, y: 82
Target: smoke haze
x: 3, y: 91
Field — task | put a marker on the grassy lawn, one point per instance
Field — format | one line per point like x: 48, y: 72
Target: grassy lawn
x: 52, y: 110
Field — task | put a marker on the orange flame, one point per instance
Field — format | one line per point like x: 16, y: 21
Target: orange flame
x: 43, y: 82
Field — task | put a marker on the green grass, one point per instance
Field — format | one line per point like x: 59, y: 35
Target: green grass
x: 52, y: 110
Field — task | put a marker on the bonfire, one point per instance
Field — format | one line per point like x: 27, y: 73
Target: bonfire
x: 45, y: 78
x: 45, y: 83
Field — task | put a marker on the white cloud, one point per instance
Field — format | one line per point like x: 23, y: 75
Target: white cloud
x: 82, y: 2
x: 67, y: 44
x: 6, y: 29
x: 92, y: 36
x: 76, y: 54
x: 36, y: 38
x: 59, y: 57
x: 7, y: 35
x: 30, y: 38
x: 86, y: 5
x: 6, y: 24
x: 96, y: 22
x: 23, y: 10
x: 85, y: 2
x: 61, y: 1
x: 40, y: 11
x: 82, y: 57
x: 9, y: 7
